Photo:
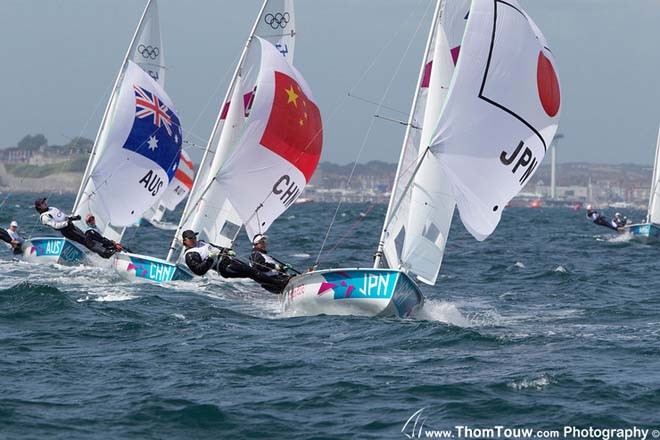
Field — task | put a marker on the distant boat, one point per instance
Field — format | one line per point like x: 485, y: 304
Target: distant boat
x: 136, y: 151
x: 649, y: 230
x: 303, y: 200
x: 485, y: 110
x: 535, y: 204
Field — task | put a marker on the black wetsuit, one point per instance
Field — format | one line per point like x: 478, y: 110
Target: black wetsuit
x: 230, y: 267
x: 275, y: 280
x: 97, y: 243
x: 4, y: 236
x: 600, y: 220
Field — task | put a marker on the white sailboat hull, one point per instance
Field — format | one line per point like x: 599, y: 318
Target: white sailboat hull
x: 646, y: 232
x: 135, y: 267
x: 360, y: 292
x: 48, y: 250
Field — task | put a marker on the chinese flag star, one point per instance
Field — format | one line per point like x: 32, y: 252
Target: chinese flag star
x: 294, y: 129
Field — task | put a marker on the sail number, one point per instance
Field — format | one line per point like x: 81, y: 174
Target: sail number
x: 152, y: 182
x: 287, y: 189
x: 526, y: 161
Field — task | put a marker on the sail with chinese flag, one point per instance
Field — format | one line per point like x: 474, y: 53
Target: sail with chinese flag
x: 275, y: 154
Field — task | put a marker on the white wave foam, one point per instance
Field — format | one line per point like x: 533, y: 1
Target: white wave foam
x: 520, y: 264
x: 301, y: 255
x: 526, y: 383
x: 443, y: 311
x: 560, y: 269
x: 621, y: 238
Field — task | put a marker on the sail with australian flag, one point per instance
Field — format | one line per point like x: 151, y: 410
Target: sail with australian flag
x: 136, y: 150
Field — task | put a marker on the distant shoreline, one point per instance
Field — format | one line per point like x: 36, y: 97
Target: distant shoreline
x: 64, y: 183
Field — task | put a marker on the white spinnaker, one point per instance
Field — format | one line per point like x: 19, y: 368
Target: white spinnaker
x: 176, y: 191
x: 275, y: 23
x: 146, y: 34
x: 421, y: 208
x: 501, y: 113
x: 654, y: 202
x: 142, y: 152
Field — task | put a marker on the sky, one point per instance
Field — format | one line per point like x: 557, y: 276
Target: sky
x: 60, y: 59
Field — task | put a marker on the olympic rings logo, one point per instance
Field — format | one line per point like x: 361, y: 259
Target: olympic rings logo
x: 148, y: 51
x: 277, y: 20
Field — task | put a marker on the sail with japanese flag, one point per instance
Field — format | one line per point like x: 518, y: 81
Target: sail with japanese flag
x: 486, y: 109
x: 420, y: 210
x: 176, y: 191
x: 138, y: 143
x: 501, y: 114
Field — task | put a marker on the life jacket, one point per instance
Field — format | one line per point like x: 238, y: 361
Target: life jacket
x: 201, y: 248
x: 56, y: 216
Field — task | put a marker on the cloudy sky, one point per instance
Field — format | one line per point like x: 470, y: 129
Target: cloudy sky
x: 60, y: 58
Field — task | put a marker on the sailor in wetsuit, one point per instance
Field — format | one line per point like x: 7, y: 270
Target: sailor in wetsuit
x: 201, y: 257
x: 4, y: 236
x: 601, y: 219
x: 15, y: 236
x: 267, y: 265
x: 59, y: 221
x: 96, y: 242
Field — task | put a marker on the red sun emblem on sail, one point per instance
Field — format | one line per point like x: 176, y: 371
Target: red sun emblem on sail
x: 548, y: 85
x: 294, y: 130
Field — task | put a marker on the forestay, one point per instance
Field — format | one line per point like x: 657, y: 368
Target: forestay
x: 420, y: 208
x: 654, y: 202
x: 501, y: 113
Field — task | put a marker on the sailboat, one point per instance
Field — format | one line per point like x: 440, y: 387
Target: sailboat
x: 176, y: 192
x: 136, y: 151
x: 649, y: 230
x: 264, y: 147
x: 486, y: 109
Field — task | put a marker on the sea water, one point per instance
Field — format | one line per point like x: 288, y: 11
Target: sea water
x: 551, y: 324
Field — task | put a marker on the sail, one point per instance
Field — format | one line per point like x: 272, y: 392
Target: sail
x: 142, y: 151
x: 654, y: 203
x: 274, y: 156
x: 146, y: 51
x: 204, y: 212
x: 420, y: 209
x: 176, y: 191
x: 501, y: 113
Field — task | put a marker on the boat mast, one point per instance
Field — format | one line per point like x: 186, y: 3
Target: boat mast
x: 88, y: 169
x: 391, y: 208
x: 654, y: 182
x: 190, y: 203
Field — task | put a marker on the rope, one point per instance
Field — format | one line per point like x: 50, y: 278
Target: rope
x: 371, y: 124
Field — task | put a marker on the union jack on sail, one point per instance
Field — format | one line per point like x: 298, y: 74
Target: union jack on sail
x: 148, y: 104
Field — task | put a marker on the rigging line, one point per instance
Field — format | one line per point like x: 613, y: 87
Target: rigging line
x: 366, y: 137
x: 343, y: 100
x: 216, y: 91
x: 368, y: 101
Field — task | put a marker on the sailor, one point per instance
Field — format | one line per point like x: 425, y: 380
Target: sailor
x: 4, y: 236
x: 599, y: 219
x: 201, y: 257
x: 96, y: 242
x: 619, y: 220
x: 15, y: 236
x: 59, y: 221
x: 260, y: 260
